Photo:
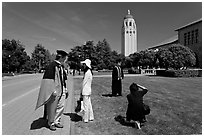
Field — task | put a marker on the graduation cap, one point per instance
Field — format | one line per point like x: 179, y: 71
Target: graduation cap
x: 62, y: 53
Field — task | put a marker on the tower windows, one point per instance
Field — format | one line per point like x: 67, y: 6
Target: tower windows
x: 130, y: 23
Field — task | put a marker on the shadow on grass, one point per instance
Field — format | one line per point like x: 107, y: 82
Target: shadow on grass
x: 74, y: 117
x: 123, y: 122
x: 39, y: 123
x: 108, y: 95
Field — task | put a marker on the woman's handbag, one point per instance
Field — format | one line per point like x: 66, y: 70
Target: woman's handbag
x: 146, y: 109
x: 79, y: 106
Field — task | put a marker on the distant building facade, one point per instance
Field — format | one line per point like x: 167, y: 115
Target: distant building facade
x: 129, y: 35
x: 189, y: 35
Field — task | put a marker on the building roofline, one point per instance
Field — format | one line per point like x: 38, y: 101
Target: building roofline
x: 189, y: 24
x: 168, y: 41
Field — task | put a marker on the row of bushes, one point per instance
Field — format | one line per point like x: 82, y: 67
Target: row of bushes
x: 180, y: 73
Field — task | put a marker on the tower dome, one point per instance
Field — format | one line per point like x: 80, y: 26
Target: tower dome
x: 128, y: 15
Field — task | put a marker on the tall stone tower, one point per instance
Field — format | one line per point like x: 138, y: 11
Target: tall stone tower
x: 129, y: 35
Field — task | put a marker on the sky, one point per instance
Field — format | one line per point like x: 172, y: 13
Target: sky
x: 64, y: 25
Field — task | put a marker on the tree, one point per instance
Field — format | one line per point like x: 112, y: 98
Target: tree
x: 182, y: 56
x: 165, y: 58
x: 114, y: 56
x: 14, y: 56
x: 147, y: 58
x: 100, y: 55
x: 103, y: 52
x: 41, y: 57
x: 75, y: 56
x: 176, y: 56
x: 135, y: 58
x: 89, y: 51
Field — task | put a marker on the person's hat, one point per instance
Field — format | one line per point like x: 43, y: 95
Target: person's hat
x: 87, y: 62
x: 62, y: 53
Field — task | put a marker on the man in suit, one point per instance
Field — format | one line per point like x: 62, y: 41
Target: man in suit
x: 52, y: 89
x: 117, y: 76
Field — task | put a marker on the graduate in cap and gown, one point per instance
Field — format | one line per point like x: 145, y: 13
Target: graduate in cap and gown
x: 117, y: 76
x: 51, y: 89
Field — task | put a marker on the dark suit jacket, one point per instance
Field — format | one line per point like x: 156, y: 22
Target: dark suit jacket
x: 115, y: 73
x: 135, y: 105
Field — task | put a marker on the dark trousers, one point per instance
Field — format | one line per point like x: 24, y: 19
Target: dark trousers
x: 45, y: 112
x: 116, y: 87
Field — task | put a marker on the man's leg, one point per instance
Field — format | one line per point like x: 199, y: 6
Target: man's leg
x: 45, y: 112
x: 59, y: 111
x: 51, y: 111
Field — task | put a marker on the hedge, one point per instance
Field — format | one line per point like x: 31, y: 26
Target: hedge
x: 180, y: 73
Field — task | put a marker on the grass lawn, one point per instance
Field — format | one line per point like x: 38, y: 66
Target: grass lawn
x: 176, y: 107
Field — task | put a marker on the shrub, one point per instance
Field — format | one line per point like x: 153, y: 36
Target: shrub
x: 180, y: 73
x: 176, y: 56
x: 182, y: 56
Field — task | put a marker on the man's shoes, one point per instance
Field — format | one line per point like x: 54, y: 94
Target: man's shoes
x: 52, y: 127
x: 137, y: 124
x: 58, y: 125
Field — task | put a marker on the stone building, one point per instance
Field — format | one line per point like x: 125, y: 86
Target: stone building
x: 189, y: 35
x: 129, y: 35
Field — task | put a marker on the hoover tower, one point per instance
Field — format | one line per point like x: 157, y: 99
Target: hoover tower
x: 129, y: 35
